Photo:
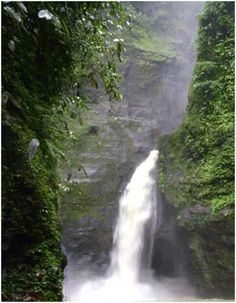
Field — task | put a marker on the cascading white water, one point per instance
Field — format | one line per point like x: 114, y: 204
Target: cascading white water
x: 137, y: 210
x: 135, y: 225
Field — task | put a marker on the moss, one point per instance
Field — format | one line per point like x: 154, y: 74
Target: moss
x: 152, y: 46
x: 212, y: 254
x: 78, y: 200
x: 83, y: 198
x: 199, y: 155
x: 198, y: 158
x: 32, y: 260
x: 48, y: 81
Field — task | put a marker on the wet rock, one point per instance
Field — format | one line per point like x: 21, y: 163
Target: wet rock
x: 119, y: 136
x: 197, y: 212
x: 93, y: 130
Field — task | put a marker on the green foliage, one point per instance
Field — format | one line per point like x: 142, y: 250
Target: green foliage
x: 161, y: 175
x: 149, y: 41
x: 79, y: 200
x: 52, y: 52
x: 158, y: 30
x: 29, y: 214
x: 156, y: 48
x: 53, y: 60
x: 199, y: 156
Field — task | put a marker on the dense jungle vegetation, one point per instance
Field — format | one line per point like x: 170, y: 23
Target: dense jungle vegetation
x: 197, y: 163
x: 50, y: 51
x: 200, y: 154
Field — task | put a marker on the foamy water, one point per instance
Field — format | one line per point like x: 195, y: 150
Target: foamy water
x: 128, y: 278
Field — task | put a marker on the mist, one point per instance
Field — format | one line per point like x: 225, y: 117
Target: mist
x: 88, y: 287
x: 156, y: 73
x: 156, y: 92
x: 127, y: 279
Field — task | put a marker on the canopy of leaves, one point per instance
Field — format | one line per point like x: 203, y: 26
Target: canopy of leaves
x: 48, y: 59
x: 51, y: 51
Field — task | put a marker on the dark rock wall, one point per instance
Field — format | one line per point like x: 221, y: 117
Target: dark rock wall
x: 154, y: 87
x: 171, y: 254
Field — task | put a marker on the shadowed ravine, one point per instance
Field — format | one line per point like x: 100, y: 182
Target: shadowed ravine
x: 115, y: 139
x: 118, y: 151
x: 127, y: 279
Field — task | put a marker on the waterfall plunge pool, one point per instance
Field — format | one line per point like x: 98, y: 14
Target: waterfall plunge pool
x: 127, y: 278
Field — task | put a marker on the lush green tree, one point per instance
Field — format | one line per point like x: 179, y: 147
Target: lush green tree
x: 51, y: 52
x: 197, y: 165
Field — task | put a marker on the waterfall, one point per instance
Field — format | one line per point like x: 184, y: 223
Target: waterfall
x: 136, y: 220
x: 132, y: 250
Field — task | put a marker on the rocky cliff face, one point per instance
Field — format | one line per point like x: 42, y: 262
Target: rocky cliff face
x: 197, y: 165
x: 116, y: 137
